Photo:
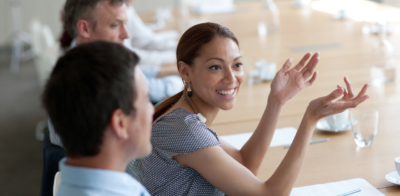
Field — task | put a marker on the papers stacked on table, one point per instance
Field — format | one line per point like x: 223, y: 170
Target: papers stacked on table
x: 283, y: 136
x: 350, y: 187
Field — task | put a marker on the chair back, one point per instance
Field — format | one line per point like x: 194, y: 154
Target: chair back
x: 45, y: 48
x: 35, y: 28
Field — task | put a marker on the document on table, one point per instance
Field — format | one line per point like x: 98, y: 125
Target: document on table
x: 338, y: 188
x: 283, y: 136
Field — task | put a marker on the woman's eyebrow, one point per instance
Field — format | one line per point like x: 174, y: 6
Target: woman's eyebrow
x: 222, y: 60
x: 238, y: 58
x: 216, y: 58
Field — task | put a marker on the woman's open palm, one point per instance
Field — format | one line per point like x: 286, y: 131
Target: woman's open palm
x: 326, y: 106
x: 287, y: 83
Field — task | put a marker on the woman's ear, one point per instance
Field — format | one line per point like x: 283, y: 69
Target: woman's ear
x: 84, y: 28
x: 184, y: 70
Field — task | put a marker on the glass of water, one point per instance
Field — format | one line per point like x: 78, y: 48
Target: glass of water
x: 364, y: 124
x: 384, y: 61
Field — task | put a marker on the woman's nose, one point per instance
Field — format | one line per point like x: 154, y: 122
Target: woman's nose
x: 229, y: 76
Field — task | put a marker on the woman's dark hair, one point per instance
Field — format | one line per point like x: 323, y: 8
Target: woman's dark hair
x: 188, y: 49
x: 85, y: 87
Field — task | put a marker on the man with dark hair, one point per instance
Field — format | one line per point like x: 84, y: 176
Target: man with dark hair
x: 98, y: 101
x: 88, y: 21
x: 92, y: 20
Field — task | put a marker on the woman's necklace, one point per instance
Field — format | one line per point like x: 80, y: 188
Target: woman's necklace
x: 202, y: 118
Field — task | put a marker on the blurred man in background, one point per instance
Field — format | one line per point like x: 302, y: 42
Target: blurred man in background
x: 85, y: 23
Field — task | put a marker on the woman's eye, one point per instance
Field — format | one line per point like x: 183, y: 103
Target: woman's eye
x: 215, y: 67
x: 114, y: 25
x: 238, y: 65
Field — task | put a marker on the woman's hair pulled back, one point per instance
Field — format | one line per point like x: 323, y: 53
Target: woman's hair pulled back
x: 188, y: 49
x: 194, y: 38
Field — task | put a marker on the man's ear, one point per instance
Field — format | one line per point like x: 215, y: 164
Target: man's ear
x: 184, y: 70
x: 119, y: 124
x: 84, y: 28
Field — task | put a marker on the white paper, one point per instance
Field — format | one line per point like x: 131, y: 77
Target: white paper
x: 283, y: 136
x: 337, y: 188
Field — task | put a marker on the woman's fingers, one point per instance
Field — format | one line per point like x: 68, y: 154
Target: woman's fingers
x: 334, y: 95
x: 349, y: 88
x: 344, y: 91
x: 313, y: 78
x: 286, y: 66
x: 363, y: 91
x: 361, y: 97
x: 309, y: 68
x: 302, y: 61
x: 343, y: 105
x: 328, y: 107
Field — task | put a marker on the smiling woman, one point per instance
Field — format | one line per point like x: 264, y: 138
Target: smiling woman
x: 201, y: 41
x: 188, y: 158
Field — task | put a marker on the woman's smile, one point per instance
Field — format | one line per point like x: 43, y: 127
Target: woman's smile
x: 228, y: 93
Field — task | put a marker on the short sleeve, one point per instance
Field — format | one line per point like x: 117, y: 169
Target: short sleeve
x: 182, y: 133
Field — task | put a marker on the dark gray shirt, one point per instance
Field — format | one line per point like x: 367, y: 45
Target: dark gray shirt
x: 179, y: 132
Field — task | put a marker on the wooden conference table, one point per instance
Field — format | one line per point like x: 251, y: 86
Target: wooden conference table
x: 346, y: 51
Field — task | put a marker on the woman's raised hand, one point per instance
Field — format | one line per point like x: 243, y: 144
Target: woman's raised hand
x: 326, y: 106
x: 287, y: 83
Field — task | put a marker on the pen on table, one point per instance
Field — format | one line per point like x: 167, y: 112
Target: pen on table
x: 312, y: 142
x: 350, y: 192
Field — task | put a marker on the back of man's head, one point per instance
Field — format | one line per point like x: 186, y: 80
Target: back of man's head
x: 76, y: 10
x: 86, y: 86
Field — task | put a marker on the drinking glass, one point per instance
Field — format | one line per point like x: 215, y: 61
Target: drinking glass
x: 269, y: 18
x: 254, y: 78
x: 364, y: 124
x: 383, y: 69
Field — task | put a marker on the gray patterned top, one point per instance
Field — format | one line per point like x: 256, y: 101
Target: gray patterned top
x: 179, y: 132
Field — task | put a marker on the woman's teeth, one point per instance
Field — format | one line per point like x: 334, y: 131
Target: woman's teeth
x: 230, y: 92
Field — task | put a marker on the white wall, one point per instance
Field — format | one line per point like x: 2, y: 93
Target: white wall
x: 47, y: 11
x: 148, y: 5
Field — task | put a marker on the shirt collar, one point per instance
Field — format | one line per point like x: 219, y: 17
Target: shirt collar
x: 107, y: 180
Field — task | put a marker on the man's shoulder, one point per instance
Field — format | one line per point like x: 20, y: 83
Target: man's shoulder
x: 90, y: 181
x: 87, y: 191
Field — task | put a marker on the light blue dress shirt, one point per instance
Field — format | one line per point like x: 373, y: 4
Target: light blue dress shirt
x: 82, y: 181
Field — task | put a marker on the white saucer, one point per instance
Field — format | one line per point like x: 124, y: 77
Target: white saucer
x: 393, y: 178
x: 324, y: 126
